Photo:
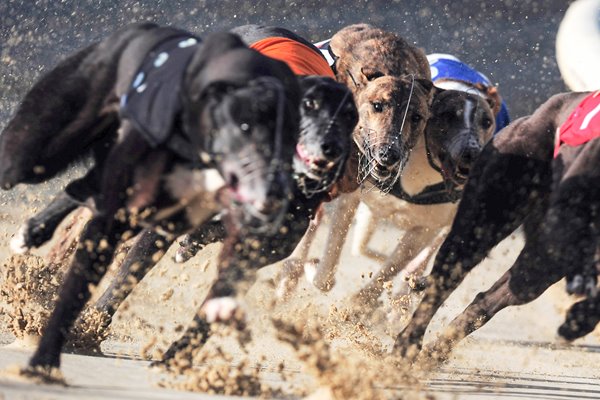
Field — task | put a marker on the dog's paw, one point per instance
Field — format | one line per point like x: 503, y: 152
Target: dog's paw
x: 591, y: 287
x: 322, y: 281
x: 183, y: 254
x: 288, y: 278
x: 575, y: 285
x: 418, y: 283
x: 221, y: 309
x: 19, y: 243
x: 30, y: 234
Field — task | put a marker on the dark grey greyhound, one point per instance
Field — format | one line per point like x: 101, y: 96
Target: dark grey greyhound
x: 517, y: 181
x: 166, y: 116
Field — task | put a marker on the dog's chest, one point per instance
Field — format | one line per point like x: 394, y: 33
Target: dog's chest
x: 196, y: 191
x: 418, y: 173
x: 407, y: 215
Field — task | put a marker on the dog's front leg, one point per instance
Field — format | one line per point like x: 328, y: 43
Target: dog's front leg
x: 143, y: 255
x: 88, y: 266
x: 324, y: 276
x: 211, y: 232
x: 235, y: 273
x: 220, y: 304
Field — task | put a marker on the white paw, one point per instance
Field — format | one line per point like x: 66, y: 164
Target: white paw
x: 591, y: 288
x: 220, y: 309
x: 310, y: 270
x: 179, y: 258
x: 17, y: 243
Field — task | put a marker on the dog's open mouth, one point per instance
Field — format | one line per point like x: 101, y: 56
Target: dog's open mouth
x: 381, y: 173
x: 314, y: 167
x: 451, y: 172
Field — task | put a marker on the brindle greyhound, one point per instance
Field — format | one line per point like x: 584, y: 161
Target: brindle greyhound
x: 516, y: 181
x: 458, y: 128
x: 391, y: 83
x: 229, y: 105
x: 425, y: 198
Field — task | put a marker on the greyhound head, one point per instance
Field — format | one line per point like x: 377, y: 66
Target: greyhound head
x: 460, y: 124
x: 252, y: 141
x: 391, y: 82
x: 327, y: 118
x: 243, y: 117
x: 393, y: 112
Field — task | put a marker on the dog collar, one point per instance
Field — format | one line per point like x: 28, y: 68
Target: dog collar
x: 438, y: 193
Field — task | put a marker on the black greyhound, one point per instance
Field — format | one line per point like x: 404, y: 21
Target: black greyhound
x: 517, y: 181
x: 162, y: 112
x: 328, y: 115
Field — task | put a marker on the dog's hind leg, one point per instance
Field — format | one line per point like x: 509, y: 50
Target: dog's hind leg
x: 88, y: 267
x: 45, y: 111
x: 38, y: 229
x: 100, y: 236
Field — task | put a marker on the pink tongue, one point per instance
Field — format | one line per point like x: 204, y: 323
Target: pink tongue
x: 237, y: 195
x: 302, y: 154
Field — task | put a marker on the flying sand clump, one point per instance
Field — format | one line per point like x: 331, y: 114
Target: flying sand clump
x: 28, y: 290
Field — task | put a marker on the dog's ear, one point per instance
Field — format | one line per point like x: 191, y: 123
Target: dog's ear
x: 426, y: 84
x: 428, y: 88
x: 370, y: 73
x: 494, y: 100
x: 215, y: 91
x: 214, y: 45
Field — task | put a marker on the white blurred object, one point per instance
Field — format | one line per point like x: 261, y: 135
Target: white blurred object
x: 578, y: 46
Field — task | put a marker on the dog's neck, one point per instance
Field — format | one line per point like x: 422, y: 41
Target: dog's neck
x: 418, y: 172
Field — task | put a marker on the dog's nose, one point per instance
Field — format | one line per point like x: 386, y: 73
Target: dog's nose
x: 388, y: 157
x: 331, y: 150
x: 469, y: 155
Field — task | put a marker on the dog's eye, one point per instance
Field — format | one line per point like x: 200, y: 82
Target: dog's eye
x: 245, y: 127
x: 311, y: 104
x: 486, y: 123
x: 416, y: 118
x: 377, y: 106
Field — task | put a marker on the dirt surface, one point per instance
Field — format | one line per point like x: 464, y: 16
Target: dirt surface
x: 320, y: 348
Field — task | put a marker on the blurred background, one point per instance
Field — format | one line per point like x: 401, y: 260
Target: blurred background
x: 512, y: 41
